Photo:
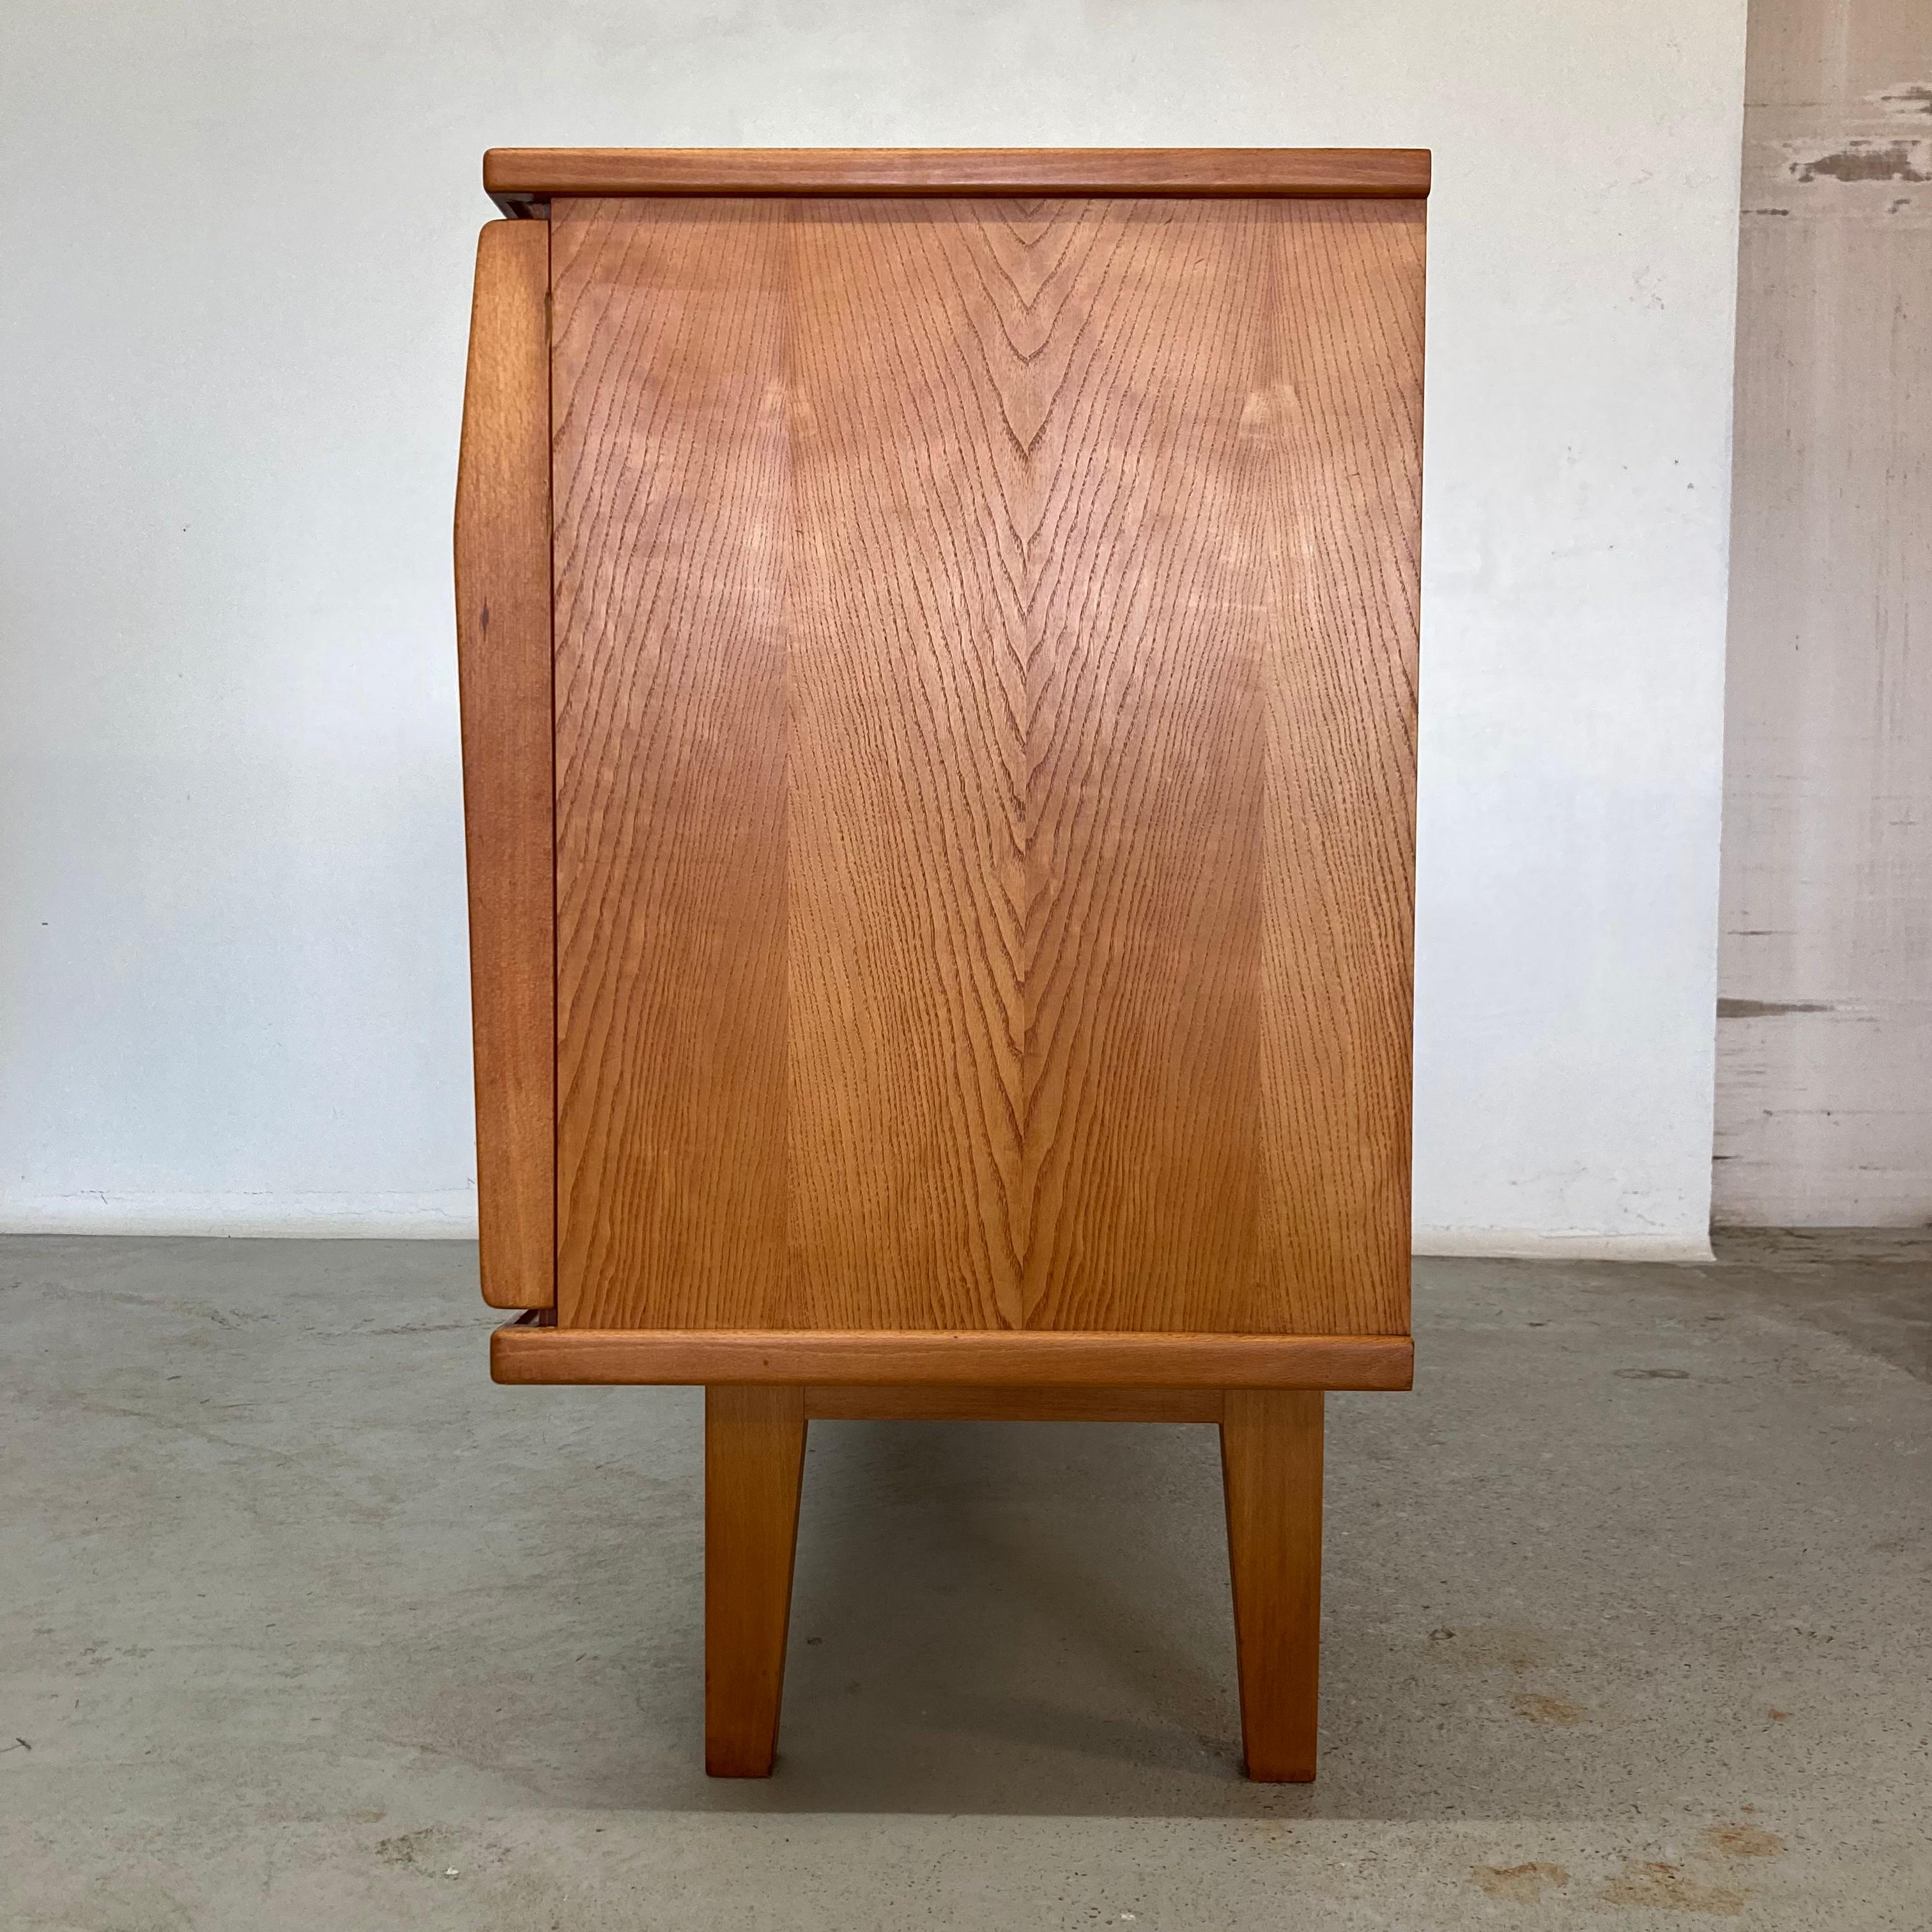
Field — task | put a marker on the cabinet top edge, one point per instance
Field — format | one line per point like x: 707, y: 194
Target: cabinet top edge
x: 517, y: 178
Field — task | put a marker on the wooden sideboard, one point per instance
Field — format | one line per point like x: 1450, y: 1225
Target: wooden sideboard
x: 937, y: 642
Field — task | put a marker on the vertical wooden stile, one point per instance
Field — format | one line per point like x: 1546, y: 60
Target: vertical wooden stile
x: 503, y: 661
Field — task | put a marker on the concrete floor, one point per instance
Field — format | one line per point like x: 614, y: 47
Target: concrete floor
x: 304, y: 1623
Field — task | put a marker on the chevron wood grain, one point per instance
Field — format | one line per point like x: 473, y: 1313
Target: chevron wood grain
x: 985, y: 701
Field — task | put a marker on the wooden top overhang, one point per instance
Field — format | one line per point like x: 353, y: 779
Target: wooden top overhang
x: 521, y: 180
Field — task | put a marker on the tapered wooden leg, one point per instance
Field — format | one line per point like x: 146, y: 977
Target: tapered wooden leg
x: 754, y: 1463
x: 1271, y: 1470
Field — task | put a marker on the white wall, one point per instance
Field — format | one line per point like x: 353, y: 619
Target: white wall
x: 233, y: 993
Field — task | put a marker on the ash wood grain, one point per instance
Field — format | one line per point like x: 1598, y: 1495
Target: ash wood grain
x: 1271, y: 1470
x: 996, y: 1358
x: 984, y: 713
x: 1335, y: 1021
x: 674, y: 517
x: 532, y: 174
x: 835, y: 1403
x: 754, y: 1466
x: 503, y: 661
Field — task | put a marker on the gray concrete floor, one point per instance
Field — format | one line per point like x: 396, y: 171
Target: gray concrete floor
x: 304, y: 1624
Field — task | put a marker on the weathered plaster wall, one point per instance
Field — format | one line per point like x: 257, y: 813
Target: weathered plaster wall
x: 1825, y: 1017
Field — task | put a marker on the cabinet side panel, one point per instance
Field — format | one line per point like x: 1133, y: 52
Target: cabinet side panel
x: 503, y: 660
x: 985, y: 728
x: 673, y: 512
x: 1344, y: 406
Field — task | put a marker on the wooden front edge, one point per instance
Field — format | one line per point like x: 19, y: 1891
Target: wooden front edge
x: 1032, y: 1358
x: 521, y: 179
x: 503, y: 670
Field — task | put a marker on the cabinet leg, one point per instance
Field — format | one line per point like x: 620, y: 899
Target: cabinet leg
x: 754, y: 1463
x: 1271, y: 1470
